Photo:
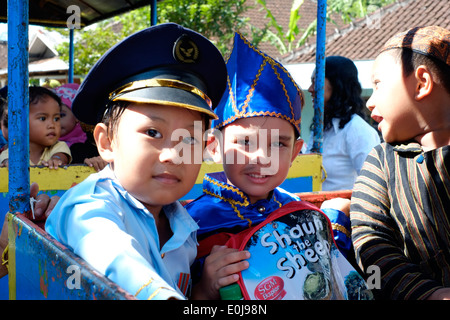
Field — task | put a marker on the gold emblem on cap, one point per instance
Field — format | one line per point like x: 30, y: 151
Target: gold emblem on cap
x: 185, y: 50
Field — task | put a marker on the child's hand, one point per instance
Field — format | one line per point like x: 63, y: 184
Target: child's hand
x: 221, y: 268
x: 43, y: 204
x: 341, y: 204
x: 97, y: 162
x: 57, y: 160
x: 52, y: 163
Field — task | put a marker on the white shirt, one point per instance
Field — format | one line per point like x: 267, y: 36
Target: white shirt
x: 344, y: 152
x: 106, y: 226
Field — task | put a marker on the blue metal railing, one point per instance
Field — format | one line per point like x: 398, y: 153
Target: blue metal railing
x: 18, y: 102
x: 71, y: 54
x: 319, y: 76
x: 18, y: 107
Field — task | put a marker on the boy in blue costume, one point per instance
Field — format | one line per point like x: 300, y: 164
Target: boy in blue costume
x: 257, y: 139
x: 152, y: 93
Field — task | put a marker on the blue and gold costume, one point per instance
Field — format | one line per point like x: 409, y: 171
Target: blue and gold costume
x: 257, y: 86
x: 223, y: 207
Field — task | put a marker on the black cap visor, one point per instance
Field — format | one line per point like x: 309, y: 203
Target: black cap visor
x: 167, y: 96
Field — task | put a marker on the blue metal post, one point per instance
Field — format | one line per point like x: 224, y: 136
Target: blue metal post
x: 153, y: 11
x: 18, y: 107
x: 320, y: 76
x: 71, y: 55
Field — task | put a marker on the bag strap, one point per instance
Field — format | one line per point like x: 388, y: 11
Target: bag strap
x: 240, y: 240
x: 205, y: 245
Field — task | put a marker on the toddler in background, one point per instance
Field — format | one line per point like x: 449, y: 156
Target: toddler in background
x: 81, y: 144
x: 45, y: 130
x: 71, y: 131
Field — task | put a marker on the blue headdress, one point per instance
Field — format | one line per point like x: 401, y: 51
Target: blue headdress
x: 258, y: 86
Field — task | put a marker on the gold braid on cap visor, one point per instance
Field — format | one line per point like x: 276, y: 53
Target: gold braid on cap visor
x: 149, y: 83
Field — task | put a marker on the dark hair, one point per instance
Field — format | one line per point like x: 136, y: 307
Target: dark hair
x: 37, y: 93
x: 112, y: 114
x: 346, y: 98
x: 3, y: 112
x: 2, y: 106
x: 114, y: 110
x: 411, y: 60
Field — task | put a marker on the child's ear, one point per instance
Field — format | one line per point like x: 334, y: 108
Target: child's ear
x: 424, y: 84
x: 212, y: 150
x: 298, y: 144
x: 103, y: 142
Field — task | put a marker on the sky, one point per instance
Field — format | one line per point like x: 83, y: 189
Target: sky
x: 55, y: 36
x: 4, y: 30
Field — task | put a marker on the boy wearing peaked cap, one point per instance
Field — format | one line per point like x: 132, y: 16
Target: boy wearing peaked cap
x: 153, y: 94
x: 400, y: 210
x: 257, y: 140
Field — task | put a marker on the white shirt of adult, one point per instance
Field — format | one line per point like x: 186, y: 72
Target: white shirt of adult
x: 344, y: 152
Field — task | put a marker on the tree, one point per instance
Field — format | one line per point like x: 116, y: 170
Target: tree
x: 216, y: 19
x: 353, y: 9
x: 285, y: 40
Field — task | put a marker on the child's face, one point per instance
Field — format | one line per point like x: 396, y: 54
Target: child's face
x: 44, y: 116
x: 257, y: 154
x: 392, y: 100
x: 68, y: 120
x: 153, y: 166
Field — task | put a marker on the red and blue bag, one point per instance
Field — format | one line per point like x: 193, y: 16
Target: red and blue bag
x: 294, y: 257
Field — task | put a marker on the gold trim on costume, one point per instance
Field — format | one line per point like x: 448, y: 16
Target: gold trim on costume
x: 228, y: 187
x: 274, y: 199
x: 170, y: 103
x: 5, y: 257
x: 143, y: 286
x: 294, y: 122
x: 341, y: 228
x: 233, y: 202
x: 154, y: 293
x: 267, y: 62
x: 273, y: 62
x: 170, y: 83
x: 240, y: 215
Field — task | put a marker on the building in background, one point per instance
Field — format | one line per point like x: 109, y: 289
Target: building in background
x: 44, y: 63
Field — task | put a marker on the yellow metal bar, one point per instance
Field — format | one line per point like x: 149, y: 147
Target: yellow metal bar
x: 305, y: 165
x: 308, y: 165
x: 51, y: 179
x: 12, y: 233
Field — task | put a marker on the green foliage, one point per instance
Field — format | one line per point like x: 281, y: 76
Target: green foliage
x: 216, y: 19
x: 346, y: 9
x: 352, y: 9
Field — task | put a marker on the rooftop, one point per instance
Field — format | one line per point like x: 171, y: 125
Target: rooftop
x: 280, y: 9
x: 363, y: 38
